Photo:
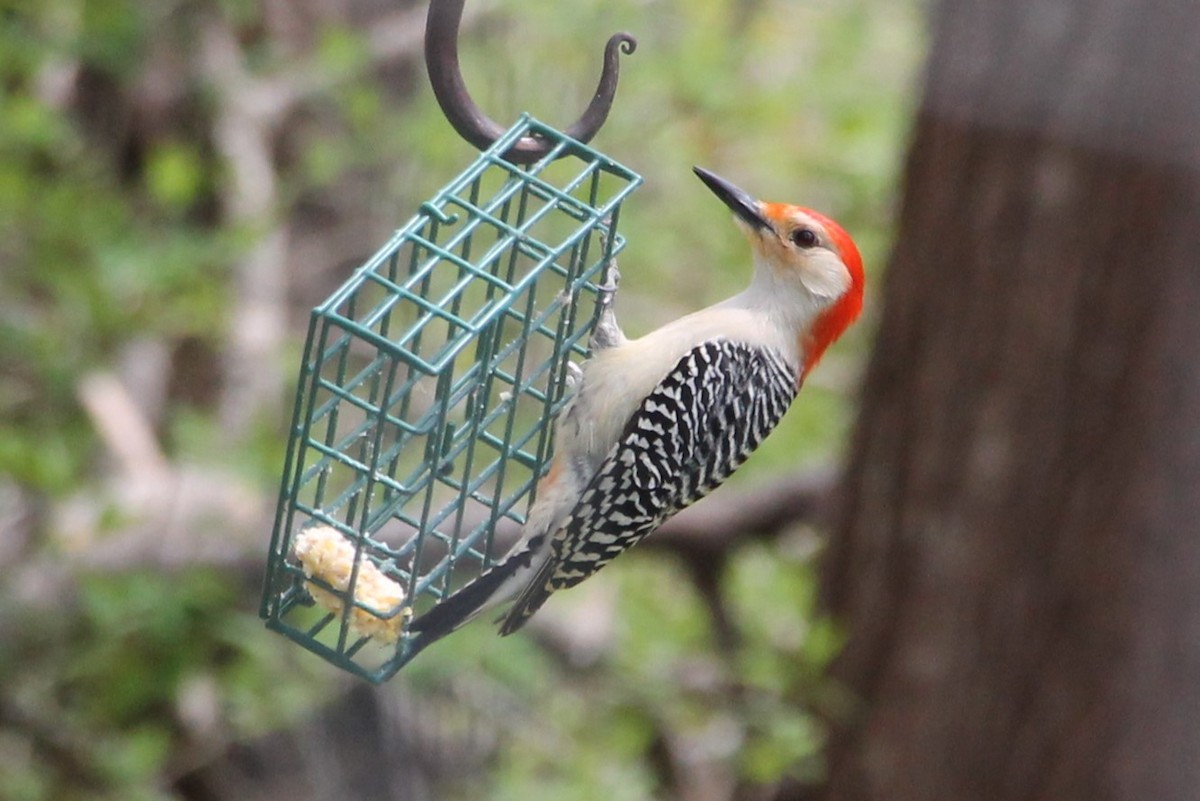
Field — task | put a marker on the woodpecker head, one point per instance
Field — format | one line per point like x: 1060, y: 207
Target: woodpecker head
x: 805, y: 251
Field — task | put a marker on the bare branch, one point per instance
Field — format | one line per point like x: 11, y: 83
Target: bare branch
x: 258, y: 321
x: 717, y: 524
x: 123, y: 428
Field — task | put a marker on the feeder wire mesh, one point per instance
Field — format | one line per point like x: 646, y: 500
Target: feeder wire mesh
x: 426, y: 393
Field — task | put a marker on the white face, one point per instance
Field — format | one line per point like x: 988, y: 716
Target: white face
x: 798, y: 248
x: 793, y: 244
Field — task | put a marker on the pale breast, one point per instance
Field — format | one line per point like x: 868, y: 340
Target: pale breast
x: 615, y: 381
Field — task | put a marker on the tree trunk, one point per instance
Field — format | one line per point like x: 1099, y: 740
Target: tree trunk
x: 1017, y: 555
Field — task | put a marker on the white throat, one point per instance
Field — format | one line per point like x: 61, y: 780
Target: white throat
x: 790, y: 304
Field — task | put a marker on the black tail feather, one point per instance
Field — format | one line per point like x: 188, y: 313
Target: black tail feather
x: 529, y: 601
x: 462, y: 605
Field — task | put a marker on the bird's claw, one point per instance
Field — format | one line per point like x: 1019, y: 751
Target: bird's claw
x: 612, y: 280
x: 607, y: 332
x: 574, y: 375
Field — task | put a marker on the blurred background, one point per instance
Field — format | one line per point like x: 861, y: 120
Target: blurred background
x: 997, y: 596
x: 182, y: 182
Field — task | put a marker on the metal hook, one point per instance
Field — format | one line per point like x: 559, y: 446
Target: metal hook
x: 441, y: 58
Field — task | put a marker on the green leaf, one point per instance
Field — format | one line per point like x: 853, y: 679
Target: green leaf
x: 174, y: 175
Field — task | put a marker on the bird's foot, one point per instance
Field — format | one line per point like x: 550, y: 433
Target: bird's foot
x: 607, y: 332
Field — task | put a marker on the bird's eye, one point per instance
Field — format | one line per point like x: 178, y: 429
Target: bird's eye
x: 804, y: 237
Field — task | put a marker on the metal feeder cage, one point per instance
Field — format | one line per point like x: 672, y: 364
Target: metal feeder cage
x: 423, y: 414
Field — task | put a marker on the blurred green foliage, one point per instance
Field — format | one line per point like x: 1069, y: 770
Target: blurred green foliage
x: 95, y: 251
x: 112, y: 231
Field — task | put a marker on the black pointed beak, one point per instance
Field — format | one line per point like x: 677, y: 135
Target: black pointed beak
x: 744, y: 206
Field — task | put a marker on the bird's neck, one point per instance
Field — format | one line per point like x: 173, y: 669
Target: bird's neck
x: 786, y: 305
x: 787, y: 310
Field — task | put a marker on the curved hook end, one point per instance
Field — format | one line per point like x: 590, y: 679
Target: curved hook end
x: 445, y: 76
x: 593, y: 117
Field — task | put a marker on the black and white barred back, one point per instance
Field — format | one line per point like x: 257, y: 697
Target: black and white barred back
x: 690, y: 434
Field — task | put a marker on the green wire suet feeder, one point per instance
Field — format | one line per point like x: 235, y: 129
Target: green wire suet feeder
x: 426, y: 395
x: 431, y: 378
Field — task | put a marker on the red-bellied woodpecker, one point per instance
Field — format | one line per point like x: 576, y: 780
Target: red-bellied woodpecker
x: 658, y: 422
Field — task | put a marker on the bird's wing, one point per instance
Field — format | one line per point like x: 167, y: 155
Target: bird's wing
x: 686, y: 437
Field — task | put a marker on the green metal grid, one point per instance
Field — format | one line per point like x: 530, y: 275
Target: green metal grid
x: 429, y: 380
